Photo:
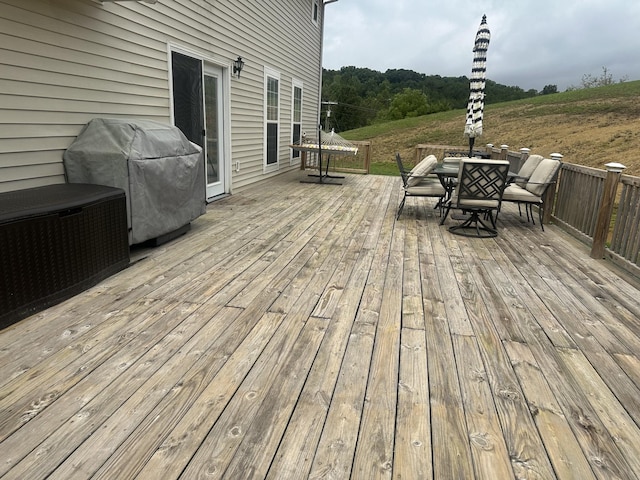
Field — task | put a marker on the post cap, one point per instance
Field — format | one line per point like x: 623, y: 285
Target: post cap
x: 615, y: 167
x: 525, y: 150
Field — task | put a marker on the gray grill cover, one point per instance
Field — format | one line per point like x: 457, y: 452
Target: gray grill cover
x: 160, y: 170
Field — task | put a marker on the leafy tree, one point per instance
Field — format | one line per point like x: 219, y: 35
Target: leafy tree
x: 346, y: 89
x: 549, y: 89
x: 408, y: 103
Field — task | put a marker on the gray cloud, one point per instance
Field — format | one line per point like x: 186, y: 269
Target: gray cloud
x: 533, y: 43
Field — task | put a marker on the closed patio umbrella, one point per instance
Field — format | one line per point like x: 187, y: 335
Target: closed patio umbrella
x: 475, y: 107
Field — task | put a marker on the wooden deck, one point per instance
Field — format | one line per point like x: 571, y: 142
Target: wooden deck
x: 300, y: 331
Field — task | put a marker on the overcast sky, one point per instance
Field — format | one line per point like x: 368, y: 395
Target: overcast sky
x: 533, y: 43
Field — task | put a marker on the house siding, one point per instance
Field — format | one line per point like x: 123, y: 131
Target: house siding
x: 63, y: 63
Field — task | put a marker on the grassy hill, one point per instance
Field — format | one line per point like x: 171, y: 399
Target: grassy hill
x: 589, y: 127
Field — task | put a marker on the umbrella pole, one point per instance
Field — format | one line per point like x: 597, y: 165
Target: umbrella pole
x: 471, y: 142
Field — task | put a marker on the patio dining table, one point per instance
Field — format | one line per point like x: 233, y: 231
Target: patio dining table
x: 447, y: 173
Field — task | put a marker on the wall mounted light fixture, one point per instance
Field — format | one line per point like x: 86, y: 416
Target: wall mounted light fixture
x: 238, y: 65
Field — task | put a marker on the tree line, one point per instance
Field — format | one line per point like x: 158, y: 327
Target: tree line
x: 358, y: 97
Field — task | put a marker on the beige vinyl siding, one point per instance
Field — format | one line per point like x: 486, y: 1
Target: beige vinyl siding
x: 65, y: 62
x: 59, y: 67
x: 293, y: 51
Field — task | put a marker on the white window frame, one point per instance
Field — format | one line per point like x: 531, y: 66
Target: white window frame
x: 294, y: 160
x: 315, y: 11
x: 273, y: 74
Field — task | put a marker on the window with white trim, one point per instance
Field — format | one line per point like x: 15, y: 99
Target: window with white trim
x: 315, y: 11
x: 296, y: 117
x: 272, y: 118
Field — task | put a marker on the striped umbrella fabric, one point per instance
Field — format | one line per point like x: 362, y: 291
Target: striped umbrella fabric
x: 475, y: 107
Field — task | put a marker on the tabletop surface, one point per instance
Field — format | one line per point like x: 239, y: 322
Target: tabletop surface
x: 446, y: 170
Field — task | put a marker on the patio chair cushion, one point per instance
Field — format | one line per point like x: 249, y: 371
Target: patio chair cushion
x: 474, y: 203
x: 422, y: 169
x: 527, y: 169
x: 542, y: 176
x: 427, y: 188
x: 515, y: 193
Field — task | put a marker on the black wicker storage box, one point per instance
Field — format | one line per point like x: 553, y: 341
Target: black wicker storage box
x: 56, y: 241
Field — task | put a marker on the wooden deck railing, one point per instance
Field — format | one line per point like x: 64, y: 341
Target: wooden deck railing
x: 625, y: 241
x: 578, y: 198
x: 591, y: 204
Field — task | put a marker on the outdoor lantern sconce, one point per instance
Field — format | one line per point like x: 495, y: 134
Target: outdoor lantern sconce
x: 238, y: 65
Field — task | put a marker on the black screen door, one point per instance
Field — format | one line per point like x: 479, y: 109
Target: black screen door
x: 188, y: 110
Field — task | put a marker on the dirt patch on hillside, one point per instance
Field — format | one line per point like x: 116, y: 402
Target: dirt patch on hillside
x: 592, y: 134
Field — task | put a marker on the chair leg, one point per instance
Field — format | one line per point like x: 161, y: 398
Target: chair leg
x: 489, y: 214
x: 401, y: 207
x: 540, y: 212
x: 446, y: 214
x: 439, y: 205
x: 474, y: 221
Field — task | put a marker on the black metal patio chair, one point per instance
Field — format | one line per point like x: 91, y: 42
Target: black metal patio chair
x: 478, y: 193
x: 532, y: 192
x: 419, y: 182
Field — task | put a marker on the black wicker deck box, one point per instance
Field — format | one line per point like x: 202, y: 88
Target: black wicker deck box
x: 56, y: 241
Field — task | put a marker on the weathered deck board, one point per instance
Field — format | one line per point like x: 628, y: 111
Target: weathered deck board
x: 412, y: 458
x: 526, y: 449
x: 564, y: 451
x: 449, y: 435
x: 301, y: 331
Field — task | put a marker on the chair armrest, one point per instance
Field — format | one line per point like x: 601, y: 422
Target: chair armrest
x: 430, y: 175
x: 543, y: 183
x: 513, y: 177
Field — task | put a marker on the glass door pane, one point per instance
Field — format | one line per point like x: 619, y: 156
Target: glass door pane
x: 214, y: 130
x: 213, y: 148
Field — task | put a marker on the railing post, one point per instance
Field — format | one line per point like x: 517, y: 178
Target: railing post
x: 504, y: 151
x: 489, y: 149
x: 614, y: 171
x: 367, y: 158
x: 524, y: 154
x: 549, y: 198
x: 419, y: 149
